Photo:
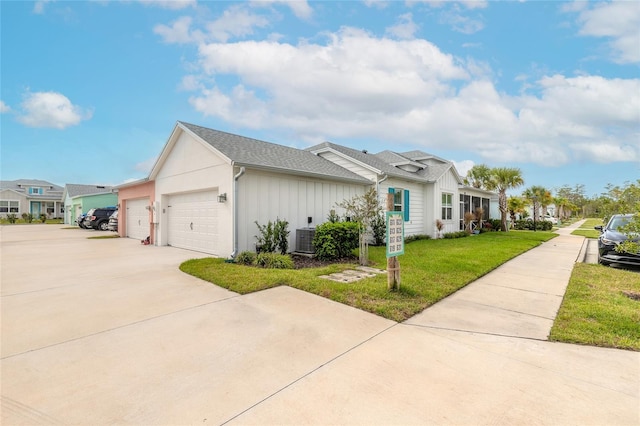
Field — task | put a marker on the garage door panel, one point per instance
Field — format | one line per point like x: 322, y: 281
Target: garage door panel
x: 137, y: 221
x: 193, y: 221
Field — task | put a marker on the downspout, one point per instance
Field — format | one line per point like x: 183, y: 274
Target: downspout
x: 235, y: 212
x: 378, y: 184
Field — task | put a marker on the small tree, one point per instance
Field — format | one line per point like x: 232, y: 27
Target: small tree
x: 439, y: 228
x: 468, y: 218
x: 363, y: 209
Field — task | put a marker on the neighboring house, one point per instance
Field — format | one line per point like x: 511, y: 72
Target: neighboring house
x: 137, y: 211
x: 30, y: 196
x: 79, y: 199
x: 211, y: 188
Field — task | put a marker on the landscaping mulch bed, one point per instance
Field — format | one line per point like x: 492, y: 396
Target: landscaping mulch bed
x: 301, y: 262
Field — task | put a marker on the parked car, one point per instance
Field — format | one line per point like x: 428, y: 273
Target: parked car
x: 80, y: 220
x: 98, y: 218
x: 551, y: 219
x: 113, y: 222
x: 611, y: 237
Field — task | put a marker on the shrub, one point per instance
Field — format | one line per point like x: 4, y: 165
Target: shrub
x: 27, y: 217
x: 273, y: 235
x: 246, y: 258
x: 335, y: 240
x: 12, y: 218
x: 274, y: 261
x: 417, y: 237
x: 459, y: 234
x: 43, y: 218
x: 527, y: 225
x: 379, y: 229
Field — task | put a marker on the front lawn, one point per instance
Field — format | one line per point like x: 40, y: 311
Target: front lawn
x: 430, y: 271
x: 601, y: 307
x: 586, y: 229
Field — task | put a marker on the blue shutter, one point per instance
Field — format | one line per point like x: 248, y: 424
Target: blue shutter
x: 392, y: 191
x: 406, y: 205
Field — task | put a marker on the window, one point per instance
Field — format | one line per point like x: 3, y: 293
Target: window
x: 400, y: 201
x: 447, y: 206
x: 9, y: 206
x: 34, y: 190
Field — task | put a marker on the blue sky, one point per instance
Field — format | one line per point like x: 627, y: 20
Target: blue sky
x: 90, y: 91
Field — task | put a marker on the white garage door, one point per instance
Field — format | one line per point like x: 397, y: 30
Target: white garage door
x: 193, y: 221
x: 137, y: 221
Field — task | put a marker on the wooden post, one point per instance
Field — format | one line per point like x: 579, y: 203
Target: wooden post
x: 393, y: 266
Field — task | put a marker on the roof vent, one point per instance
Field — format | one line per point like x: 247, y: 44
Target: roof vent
x: 364, y: 151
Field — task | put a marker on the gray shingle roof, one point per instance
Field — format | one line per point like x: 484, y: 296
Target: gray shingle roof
x: 51, y: 190
x: 75, y: 190
x: 250, y: 152
x: 369, y: 159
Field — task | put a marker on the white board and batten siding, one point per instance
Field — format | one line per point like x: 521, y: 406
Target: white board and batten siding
x: 447, y: 184
x: 187, y: 187
x: 416, y: 223
x: 137, y: 221
x: 264, y: 197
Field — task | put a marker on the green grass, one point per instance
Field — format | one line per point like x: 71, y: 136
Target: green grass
x: 586, y: 229
x: 4, y: 221
x: 104, y: 237
x: 430, y: 271
x: 595, y: 310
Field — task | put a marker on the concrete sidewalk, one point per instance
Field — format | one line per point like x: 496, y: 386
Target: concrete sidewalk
x: 519, y: 299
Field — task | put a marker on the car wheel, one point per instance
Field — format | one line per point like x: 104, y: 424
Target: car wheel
x: 602, y: 261
x: 103, y: 226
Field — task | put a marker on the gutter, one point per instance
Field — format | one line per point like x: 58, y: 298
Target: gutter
x: 235, y: 212
x: 385, y: 177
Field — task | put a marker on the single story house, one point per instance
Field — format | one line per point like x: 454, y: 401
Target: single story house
x: 211, y: 187
x: 79, y: 199
x: 30, y: 196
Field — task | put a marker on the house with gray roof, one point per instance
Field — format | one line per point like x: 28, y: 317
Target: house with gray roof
x: 31, y: 196
x: 78, y: 199
x: 211, y: 187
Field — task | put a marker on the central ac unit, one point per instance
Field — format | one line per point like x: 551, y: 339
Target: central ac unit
x: 304, y: 240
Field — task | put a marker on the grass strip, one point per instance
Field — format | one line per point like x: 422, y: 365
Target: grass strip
x: 586, y: 229
x: 599, y: 308
x: 430, y: 271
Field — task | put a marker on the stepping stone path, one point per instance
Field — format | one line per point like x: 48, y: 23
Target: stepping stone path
x: 351, y: 275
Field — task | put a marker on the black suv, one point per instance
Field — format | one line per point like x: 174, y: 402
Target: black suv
x: 98, y: 218
x: 611, y: 237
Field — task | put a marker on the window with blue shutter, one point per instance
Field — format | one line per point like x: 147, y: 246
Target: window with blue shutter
x: 400, y: 201
x: 406, y: 205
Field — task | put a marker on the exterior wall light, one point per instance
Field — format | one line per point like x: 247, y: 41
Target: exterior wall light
x: 222, y: 198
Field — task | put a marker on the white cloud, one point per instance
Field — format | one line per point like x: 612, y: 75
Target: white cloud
x: 179, y: 32
x: 170, y: 4
x: 51, y: 109
x: 619, y: 21
x: 404, y: 29
x: 463, y: 166
x: 300, y: 8
x: 38, y: 6
x: 236, y: 21
x: 347, y: 87
x: 145, y: 166
x: 4, y: 107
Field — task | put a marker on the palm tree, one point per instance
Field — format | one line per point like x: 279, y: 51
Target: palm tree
x: 516, y: 205
x: 502, y: 179
x: 540, y: 197
x: 478, y: 176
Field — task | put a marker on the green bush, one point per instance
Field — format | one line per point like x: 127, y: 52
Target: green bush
x: 12, y: 218
x: 27, y: 217
x: 273, y: 235
x: 335, y: 240
x: 246, y: 258
x: 43, y: 217
x: 459, y: 234
x: 417, y: 237
x: 527, y: 225
x: 379, y: 229
x: 274, y: 261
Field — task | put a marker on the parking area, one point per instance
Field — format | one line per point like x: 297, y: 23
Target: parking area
x: 111, y: 332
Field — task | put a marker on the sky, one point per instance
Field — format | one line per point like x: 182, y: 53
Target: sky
x: 91, y: 90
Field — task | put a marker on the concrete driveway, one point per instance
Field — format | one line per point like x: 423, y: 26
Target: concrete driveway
x: 111, y: 332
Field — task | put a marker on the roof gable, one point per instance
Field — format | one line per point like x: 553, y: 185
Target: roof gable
x: 254, y: 153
